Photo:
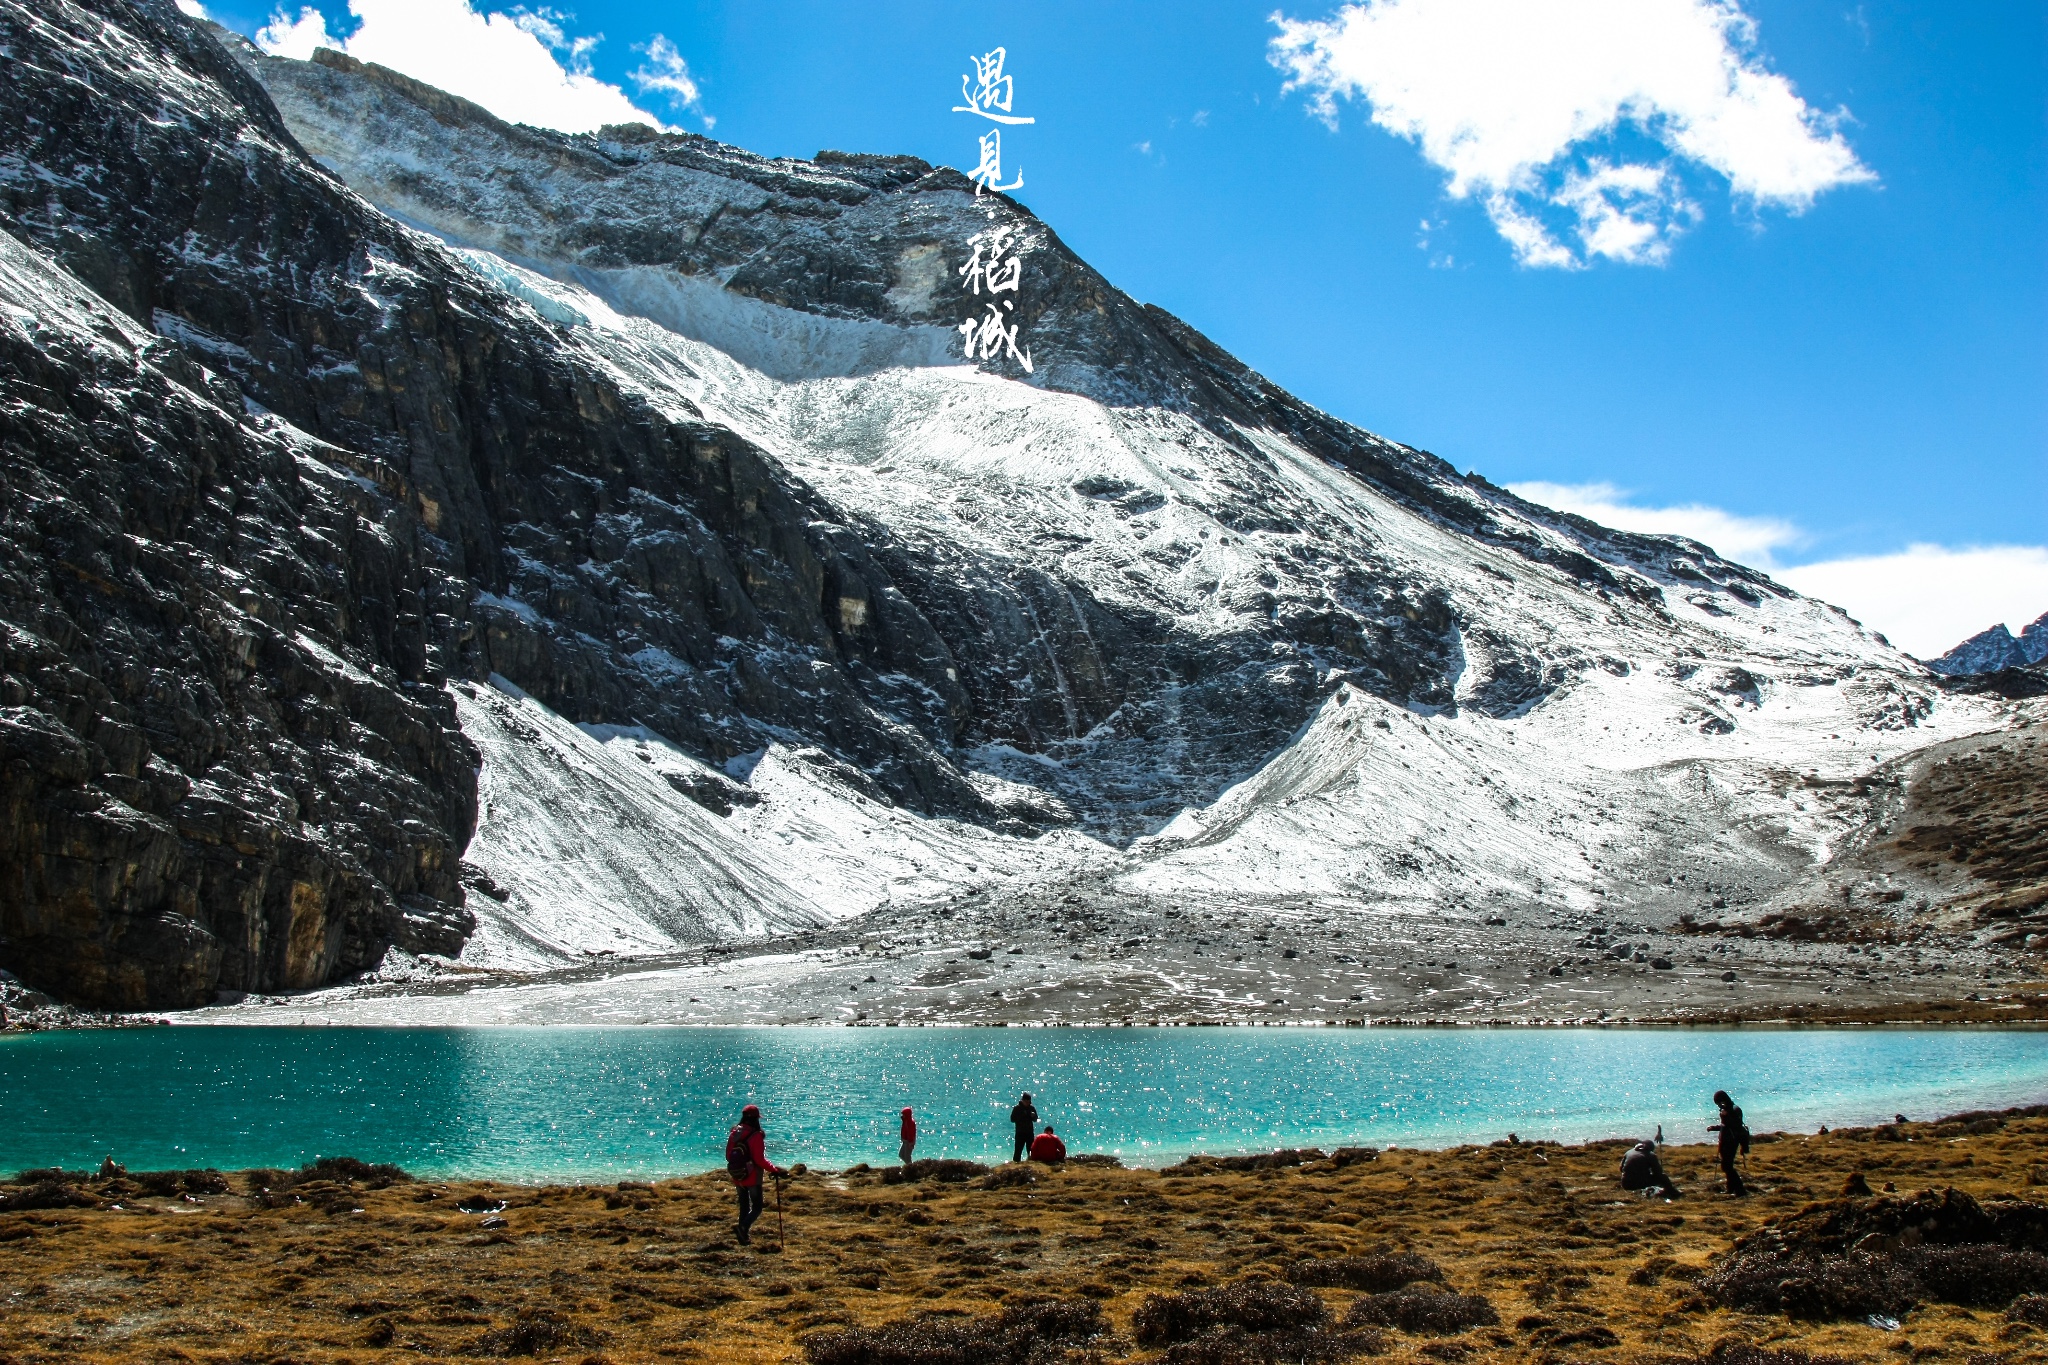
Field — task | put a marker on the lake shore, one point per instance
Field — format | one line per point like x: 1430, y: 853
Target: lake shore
x: 1417, y: 982
x: 2017, y: 1009
x: 322, y: 1268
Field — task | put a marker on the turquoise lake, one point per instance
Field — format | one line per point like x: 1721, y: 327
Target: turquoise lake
x: 570, y: 1103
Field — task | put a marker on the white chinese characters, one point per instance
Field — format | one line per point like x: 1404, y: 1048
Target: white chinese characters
x: 992, y: 92
x: 990, y: 170
x: 990, y: 268
x: 994, y: 268
x: 987, y: 268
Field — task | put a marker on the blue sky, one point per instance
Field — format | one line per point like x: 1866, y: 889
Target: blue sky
x: 1816, y: 339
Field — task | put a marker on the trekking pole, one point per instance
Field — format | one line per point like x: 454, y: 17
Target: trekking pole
x: 781, y: 1240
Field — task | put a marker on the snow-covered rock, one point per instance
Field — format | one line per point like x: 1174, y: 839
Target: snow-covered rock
x: 1988, y: 651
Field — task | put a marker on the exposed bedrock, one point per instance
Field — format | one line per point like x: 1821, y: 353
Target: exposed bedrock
x: 197, y: 790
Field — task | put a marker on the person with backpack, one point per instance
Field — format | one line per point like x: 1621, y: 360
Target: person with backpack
x: 1734, y: 1140
x: 909, y: 1134
x: 1022, y: 1119
x: 746, y: 1160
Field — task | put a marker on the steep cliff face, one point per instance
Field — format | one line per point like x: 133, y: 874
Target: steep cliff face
x: 405, y: 441
x: 652, y: 437
x: 211, y: 774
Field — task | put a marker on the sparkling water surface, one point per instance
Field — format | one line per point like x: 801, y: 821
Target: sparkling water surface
x: 597, y: 1103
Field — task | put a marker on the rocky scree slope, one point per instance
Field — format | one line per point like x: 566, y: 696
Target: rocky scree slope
x: 1957, y: 842
x: 664, y: 439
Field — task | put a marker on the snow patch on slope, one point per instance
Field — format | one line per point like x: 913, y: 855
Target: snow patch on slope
x: 596, y: 854
x: 782, y: 343
x: 1609, y: 800
x: 588, y: 833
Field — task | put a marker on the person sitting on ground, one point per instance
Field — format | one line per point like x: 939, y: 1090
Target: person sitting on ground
x: 1641, y: 1170
x: 1022, y: 1116
x: 1047, y: 1148
x: 1734, y: 1140
x: 746, y: 1158
x: 909, y: 1138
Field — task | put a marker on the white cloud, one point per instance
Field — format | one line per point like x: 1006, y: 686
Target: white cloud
x: 666, y: 71
x: 296, y: 38
x: 1927, y: 599
x: 520, y: 66
x: 1510, y: 98
x: 1628, y: 213
x: 1748, y: 540
x: 192, y: 9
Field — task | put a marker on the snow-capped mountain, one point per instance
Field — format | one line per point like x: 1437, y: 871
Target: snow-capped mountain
x: 1988, y: 651
x: 646, y: 471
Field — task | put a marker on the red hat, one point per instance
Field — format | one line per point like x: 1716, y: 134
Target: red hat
x: 906, y: 1109
x: 753, y: 1109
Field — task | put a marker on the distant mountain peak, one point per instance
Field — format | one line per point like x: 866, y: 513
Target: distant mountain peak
x: 1988, y: 651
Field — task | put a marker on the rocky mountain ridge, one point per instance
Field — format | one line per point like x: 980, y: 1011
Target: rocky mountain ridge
x: 638, y: 468
x: 1989, y: 651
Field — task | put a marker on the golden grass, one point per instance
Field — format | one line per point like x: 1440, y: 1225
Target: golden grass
x: 652, y: 1274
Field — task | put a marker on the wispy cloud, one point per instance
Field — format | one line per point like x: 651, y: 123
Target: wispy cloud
x: 523, y: 66
x: 1522, y: 103
x: 1749, y: 540
x: 298, y: 38
x: 665, y: 71
x: 1926, y: 599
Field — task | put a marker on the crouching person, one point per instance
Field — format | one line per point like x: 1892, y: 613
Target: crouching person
x: 1048, y: 1148
x: 1641, y: 1170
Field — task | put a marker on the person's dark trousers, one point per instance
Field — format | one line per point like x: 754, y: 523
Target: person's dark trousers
x: 750, y: 1206
x: 1023, y: 1144
x: 1735, y: 1185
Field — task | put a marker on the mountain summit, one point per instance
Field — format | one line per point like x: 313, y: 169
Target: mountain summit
x: 1988, y: 651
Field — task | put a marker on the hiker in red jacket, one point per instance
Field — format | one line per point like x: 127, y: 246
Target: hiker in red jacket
x: 746, y: 1158
x: 909, y: 1138
x: 1047, y: 1148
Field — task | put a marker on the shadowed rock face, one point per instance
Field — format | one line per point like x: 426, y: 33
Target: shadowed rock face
x: 197, y: 789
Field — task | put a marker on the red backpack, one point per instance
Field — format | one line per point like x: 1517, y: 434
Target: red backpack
x: 739, y: 1159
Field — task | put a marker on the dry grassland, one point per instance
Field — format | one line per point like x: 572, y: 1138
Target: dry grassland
x: 335, y: 1271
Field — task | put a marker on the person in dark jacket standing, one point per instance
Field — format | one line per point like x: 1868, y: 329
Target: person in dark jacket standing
x: 1734, y: 1139
x: 746, y: 1158
x: 909, y: 1135
x: 1023, y: 1118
